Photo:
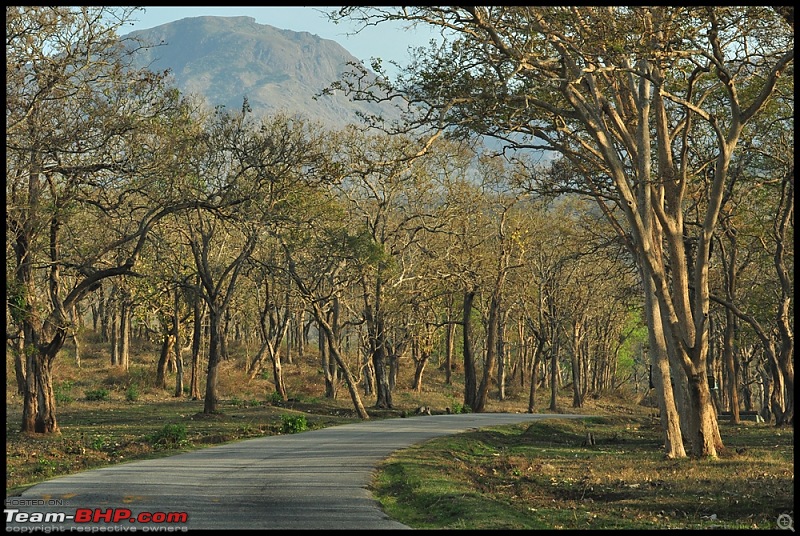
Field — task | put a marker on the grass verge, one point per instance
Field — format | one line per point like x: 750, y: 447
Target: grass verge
x: 545, y: 476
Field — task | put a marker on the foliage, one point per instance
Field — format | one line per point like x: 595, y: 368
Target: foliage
x: 97, y: 394
x: 457, y: 407
x: 293, y: 424
x: 132, y: 393
x: 169, y: 437
x: 63, y: 392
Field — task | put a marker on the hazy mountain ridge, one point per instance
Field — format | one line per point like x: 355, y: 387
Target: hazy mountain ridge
x: 225, y: 59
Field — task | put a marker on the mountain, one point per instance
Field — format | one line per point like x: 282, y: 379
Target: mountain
x: 225, y: 59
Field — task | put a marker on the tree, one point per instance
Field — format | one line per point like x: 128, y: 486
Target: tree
x: 318, y: 247
x: 386, y: 187
x: 247, y: 173
x: 624, y: 93
x: 85, y: 141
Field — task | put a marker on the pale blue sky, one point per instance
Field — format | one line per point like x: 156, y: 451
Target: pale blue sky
x: 386, y: 41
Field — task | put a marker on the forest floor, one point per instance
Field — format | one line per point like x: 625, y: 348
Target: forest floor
x: 545, y: 475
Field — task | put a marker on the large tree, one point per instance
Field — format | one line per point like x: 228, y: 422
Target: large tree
x: 86, y: 144
x: 624, y: 93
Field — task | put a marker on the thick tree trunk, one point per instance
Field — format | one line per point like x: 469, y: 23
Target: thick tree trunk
x: 704, y: 433
x: 662, y: 378
x: 39, y: 402
x: 167, y: 345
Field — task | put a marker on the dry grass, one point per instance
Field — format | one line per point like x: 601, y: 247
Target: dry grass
x: 120, y: 427
x: 622, y: 481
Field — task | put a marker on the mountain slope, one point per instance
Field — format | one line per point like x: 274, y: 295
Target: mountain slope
x: 225, y: 59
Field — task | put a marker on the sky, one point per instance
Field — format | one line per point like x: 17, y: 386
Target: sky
x: 386, y: 41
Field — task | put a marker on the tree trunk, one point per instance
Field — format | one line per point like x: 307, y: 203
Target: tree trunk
x: 214, y: 357
x: 660, y: 363
x: 537, y: 355
x: 377, y: 338
x: 197, y: 340
x: 501, y: 358
x: 470, y: 375
x: 419, y: 368
x: 732, y: 369
x: 337, y: 356
x: 277, y: 371
x: 554, y: 348
x: 449, y: 345
x: 19, y: 361
x: 328, y: 365
x: 369, y: 373
x: 577, y: 398
x: 125, y: 334
x: 114, y: 335
x: 105, y: 307
x: 492, y: 328
x: 703, y: 422
x: 167, y: 345
x: 176, y: 323
x: 39, y: 405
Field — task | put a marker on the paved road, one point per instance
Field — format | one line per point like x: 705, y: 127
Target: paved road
x: 312, y: 480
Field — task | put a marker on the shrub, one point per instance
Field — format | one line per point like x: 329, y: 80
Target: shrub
x: 132, y: 394
x: 170, y: 436
x: 63, y: 392
x: 292, y: 424
x: 99, y: 442
x: 97, y: 394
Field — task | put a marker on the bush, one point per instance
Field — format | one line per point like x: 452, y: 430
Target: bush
x: 132, y: 394
x: 458, y: 407
x: 170, y: 436
x: 292, y: 424
x: 99, y: 442
x: 63, y: 392
x: 97, y: 394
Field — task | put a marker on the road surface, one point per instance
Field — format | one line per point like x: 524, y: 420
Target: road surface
x: 311, y: 480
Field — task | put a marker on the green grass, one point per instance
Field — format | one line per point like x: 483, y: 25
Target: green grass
x: 544, y: 476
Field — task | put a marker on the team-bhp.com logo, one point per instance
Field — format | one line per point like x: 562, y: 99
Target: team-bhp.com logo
x: 91, y: 516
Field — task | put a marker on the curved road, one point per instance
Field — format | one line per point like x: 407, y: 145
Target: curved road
x: 312, y: 480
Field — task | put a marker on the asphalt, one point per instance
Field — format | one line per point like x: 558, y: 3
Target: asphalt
x: 316, y: 480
